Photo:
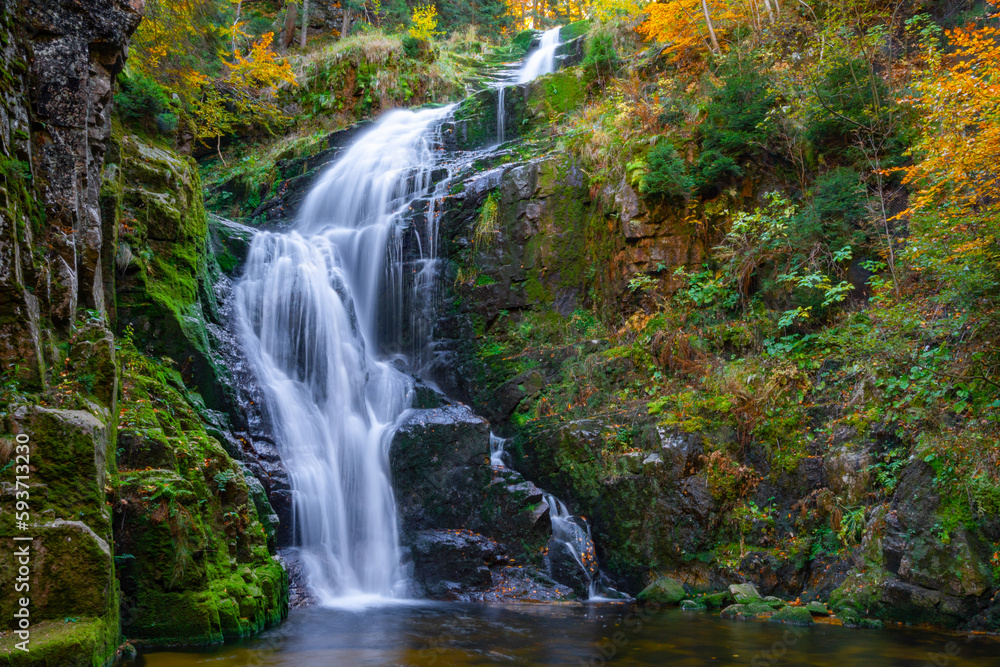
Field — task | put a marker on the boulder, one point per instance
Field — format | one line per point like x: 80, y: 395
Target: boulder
x: 793, y: 616
x: 664, y: 591
x: 447, y: 563
x: 744, y: 593
x: 440, y: 465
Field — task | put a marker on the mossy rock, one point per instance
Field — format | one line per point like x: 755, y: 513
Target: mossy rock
x: 193, y: 554
x: 77, y: 642
x: 759, y: 608
x: 717, y: 600
x: 692, y: 605
x: 774, y: 602
x: 736, y: 611
x: 793, y: 616
x: 574, y: 30
x: 817, y: 609
x: 871, y: 624
x: 849, y: 617
x: 662, y: 591
x: 744, y: 593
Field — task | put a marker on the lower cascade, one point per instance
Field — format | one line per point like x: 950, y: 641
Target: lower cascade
x: 320, y: 312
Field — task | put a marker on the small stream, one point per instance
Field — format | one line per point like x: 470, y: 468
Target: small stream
x: 593, y: 634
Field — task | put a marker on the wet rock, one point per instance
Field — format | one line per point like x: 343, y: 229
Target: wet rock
x: 691, y: 605
x: 447, y: 562
x: 439, y: 460
x: 564, y: 568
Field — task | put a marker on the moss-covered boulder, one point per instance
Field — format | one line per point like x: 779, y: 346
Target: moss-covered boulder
x: 817, y: 609
x: 664, y: 591
x: 793, y: 616
x: 744, y: 593
x: 70, y: 571
x: 193, y: 553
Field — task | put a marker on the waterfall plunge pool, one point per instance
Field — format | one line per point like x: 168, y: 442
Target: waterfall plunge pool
x: 422, y: 633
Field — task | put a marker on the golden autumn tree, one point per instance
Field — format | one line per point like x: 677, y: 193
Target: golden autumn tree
x: 244, y: 94
x: 955, y: 175
x: 688, y: 25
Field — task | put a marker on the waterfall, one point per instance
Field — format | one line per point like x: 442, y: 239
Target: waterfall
x: 572, y: 534
x: 543, y: 59
x: 320, y: 311
x: 497, y: 451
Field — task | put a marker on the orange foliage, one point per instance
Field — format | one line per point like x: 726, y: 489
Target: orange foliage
x: 959, y: 105
x: 681, y: 24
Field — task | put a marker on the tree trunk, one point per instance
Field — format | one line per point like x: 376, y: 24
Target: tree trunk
x: 345, y: 28
x: 291, y: 14
x: 305, y: 24
x: 239, y: 9
x: 711, y: 28
x: 770, y: 12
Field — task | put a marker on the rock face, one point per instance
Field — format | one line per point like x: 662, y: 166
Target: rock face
x: 59, y: 59
x: 141, y: 519
x: 440, y: 463
x: 55, y: 121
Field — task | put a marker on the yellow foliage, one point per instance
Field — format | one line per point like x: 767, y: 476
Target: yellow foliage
x: 605, y: 10
x: 424, y: 23
x: 955, y: 175
x: 681, y: 23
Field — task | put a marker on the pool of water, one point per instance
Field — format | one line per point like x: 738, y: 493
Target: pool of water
x: 595, y: 634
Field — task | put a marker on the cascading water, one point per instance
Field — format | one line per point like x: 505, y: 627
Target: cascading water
x: 497, y: 451
x: 572, y: 534
x: 542, y: 61
x: 321, y: 314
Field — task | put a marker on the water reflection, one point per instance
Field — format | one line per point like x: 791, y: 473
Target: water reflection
x: 597, y: 634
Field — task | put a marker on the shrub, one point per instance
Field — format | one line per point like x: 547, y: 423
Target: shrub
x: 667, y: 176
x: 412, y: 47
x: 734, y: 130
x: 602, y: 57
x: 166, y: 123
x: 140, y: 102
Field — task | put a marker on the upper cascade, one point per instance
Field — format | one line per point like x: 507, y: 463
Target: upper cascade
x: 543, y: 60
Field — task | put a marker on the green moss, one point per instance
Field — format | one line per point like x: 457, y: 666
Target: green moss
x: 78, y: 642
x: 200, y: 570
x: 662, y: 591
x: 793, y: 616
